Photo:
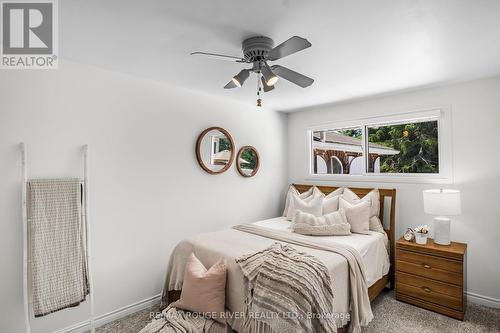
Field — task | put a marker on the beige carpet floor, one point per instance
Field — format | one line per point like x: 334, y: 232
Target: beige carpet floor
x: 391, y: 316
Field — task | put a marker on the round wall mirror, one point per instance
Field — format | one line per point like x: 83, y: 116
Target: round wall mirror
x: 247, y: 161
x: 215, y: 150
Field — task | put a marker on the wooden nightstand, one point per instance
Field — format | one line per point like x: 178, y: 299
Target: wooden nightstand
x: 432, y: 276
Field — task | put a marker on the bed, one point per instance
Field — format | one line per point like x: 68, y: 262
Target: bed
x: 376, y: 249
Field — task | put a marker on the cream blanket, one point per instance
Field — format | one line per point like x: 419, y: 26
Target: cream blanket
x: 231, y: 244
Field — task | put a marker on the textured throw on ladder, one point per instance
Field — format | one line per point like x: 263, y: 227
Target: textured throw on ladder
x: 288, y: 291
x: 57, y: 243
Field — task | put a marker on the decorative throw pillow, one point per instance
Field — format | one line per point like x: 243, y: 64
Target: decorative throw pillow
x: 313, y: 206
x: 331, y: 201
x: 291, y: 207
x: 203, y: 290
x: 376, y: 225
x: 292, y: 190
x: 333, y: 224
x: 358, y: 215
x: 374, y: 198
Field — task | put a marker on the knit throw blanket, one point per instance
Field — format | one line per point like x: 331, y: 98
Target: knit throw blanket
x: 57, y: 245
x: 173, y: 320
x: 288, y: 291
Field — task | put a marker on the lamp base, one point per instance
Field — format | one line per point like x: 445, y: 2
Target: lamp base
x: 442, y: 230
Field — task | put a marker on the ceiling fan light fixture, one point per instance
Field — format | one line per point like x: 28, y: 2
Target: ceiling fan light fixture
x: 268, y: 75
x: 241, y: 77
x: 235, y: 81
x: 272, y: 81
x: 257, y: 51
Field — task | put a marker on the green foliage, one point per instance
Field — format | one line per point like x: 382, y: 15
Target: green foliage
x: 224, y: 144
x: 249, y: 156
x: 417, y: 144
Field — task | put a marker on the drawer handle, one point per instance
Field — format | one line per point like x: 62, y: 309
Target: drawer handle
x: 426, y: 289
x: 427, y: 266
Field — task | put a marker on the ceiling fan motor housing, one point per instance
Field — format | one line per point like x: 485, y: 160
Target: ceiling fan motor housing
x: 255, y: 49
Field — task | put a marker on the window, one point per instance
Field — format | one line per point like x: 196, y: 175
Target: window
x: 340, y: 149
x: 404, y: 145
x: 409, y: 147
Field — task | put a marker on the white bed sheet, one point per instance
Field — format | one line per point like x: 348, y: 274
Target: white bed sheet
x: 372, y: 247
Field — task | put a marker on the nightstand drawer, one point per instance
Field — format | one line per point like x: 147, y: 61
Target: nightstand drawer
x: 430, y: 286
x: 426, y: 293
x: 436, y: 268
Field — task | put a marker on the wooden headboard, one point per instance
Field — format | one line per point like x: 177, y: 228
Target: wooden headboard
x: 361, y: 192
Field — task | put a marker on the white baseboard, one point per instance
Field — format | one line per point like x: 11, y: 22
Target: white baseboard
x: 483, y: 300
x: 111, y: 316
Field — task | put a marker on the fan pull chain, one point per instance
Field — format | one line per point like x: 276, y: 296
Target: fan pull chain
x: 259, y: 100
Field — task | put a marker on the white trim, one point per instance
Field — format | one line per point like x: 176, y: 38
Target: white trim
x: 111, y: 316
x: 483, y: 300
x: 394, y: 178
x: 414, y: 115
x: 445, y: 176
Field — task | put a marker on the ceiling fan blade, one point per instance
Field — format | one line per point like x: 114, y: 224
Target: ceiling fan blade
x: 230, y: 85
x: 219, y: 56
x: 265, y: 86
x: 292, y: 76
x: 290, y: 46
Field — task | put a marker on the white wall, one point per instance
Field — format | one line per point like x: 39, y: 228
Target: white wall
x: 476, y: 163
x: 145, y: 194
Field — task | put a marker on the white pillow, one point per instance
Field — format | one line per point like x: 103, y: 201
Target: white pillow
x: 357, y: 215
x: 293, y: 190
x: 334, y: 224
x: 331, y: 201
x: 374, y: 198
x: 291, y: 207
x: 313, y: 206
x: 376, y: 225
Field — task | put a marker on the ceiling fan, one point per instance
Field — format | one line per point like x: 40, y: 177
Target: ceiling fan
x: 258, y: 51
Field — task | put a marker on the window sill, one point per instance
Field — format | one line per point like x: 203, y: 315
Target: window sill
x: 377, y: 178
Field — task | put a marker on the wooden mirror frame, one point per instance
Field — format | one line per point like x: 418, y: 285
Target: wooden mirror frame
x: 198, y: 154
x: 256, y: 164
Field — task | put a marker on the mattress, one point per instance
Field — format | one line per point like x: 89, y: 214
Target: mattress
x: 372, y: 247
x: 230, y: 244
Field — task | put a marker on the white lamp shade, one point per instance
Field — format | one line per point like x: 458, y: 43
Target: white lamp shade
x: 442, y: 202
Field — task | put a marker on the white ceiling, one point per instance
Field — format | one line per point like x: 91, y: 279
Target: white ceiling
x: 360, y: 48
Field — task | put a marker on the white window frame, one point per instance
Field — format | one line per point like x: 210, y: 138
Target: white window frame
x: 443, y: 117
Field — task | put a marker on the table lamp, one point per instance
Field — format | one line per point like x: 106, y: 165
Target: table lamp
x: 442, y: 203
